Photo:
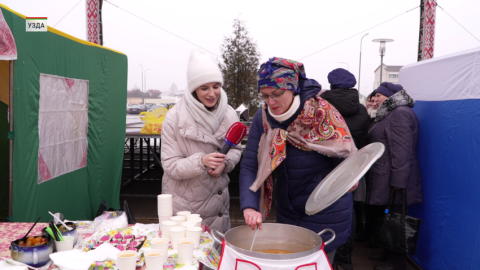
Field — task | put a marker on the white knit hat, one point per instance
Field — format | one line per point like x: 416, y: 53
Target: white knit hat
x: 202, y: 69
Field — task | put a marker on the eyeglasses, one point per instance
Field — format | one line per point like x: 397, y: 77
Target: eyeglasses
x: 274, y: 96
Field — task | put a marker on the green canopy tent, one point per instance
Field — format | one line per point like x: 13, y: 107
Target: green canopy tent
x: 68, y: 112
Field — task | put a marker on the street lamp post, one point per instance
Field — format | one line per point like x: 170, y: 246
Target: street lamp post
x: 382, y: 42
x: 348, y: 67
x: 360, y: 63
x: 141, y: 87
x: 146, y: 80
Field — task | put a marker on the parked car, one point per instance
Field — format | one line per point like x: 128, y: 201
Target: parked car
x: 148, y: 105
x: 162, y: 105
x: 136, y: 109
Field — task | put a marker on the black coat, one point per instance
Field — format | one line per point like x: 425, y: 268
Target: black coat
x: 398, y: 166
x: 346, y: 101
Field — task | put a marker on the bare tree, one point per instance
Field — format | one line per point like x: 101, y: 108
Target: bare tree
x: 239, y: 67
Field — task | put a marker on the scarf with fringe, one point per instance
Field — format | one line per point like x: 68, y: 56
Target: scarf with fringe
x: 319, y: 127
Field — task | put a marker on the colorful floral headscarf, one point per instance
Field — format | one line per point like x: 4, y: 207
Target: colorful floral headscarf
x: 281, y: 73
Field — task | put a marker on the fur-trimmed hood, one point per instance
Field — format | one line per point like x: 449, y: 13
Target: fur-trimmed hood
x: 401, y: 98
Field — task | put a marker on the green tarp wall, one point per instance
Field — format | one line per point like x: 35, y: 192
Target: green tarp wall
x: 4, y: 142
x: 77, y: 194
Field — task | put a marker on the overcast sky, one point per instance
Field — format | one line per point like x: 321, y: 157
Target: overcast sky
x: 289, y: 29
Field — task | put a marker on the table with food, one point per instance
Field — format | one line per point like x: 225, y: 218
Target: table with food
x: 109, y: 242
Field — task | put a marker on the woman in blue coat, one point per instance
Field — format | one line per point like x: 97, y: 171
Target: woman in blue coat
x: 295, y: 140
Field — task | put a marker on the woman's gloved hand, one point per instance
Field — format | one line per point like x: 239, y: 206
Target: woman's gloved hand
x: 252, y: 218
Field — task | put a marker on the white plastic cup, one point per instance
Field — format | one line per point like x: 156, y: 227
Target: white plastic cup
x: 155, y: 258
x: 164, y: 205
x: 163, y: 218
x: 64, y: 245
x: 197, y: 220
x: 178, y: 219
x: 194, y: 233
x: 165, y: 210
x: 188, y: 224
x: 127, y: 260
x: 184, y: 213
x: 177, y: 232
x: 165, y: 197
x: 192, y: 216
x: 185, y: 250
x: 160, y: 243
x: 165, y: 228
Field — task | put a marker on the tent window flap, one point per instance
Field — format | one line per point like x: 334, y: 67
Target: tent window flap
x: 62, y: 126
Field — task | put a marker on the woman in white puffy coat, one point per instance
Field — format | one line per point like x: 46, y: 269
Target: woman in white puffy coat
x: 192, y: 134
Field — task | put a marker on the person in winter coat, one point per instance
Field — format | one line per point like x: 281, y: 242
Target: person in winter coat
x: 372, y: 107
x: 289, y: 152
x: 346, y: 100
x: 372, y: 212
x: 369, y: 102
x: 396, y: 126
x: 192, y: 132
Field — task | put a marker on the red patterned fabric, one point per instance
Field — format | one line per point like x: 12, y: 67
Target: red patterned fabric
x: 428, y: 39
x: 8, y: 50
x: 83, y: 163
x: 43, y: 168
x: 268, y: 195
x: 93, y: 21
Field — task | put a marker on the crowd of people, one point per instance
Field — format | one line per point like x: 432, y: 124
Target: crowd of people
x: 299, y: 136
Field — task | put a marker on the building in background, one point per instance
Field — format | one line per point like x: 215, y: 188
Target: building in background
x: 362, y: 99
x: 389, y: 74
x: 153, y: 96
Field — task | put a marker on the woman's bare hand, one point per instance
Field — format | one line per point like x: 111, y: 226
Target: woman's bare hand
x: 252, y: 218
x: 353, y: 188
x: 213, y: 160
x: 218, y: 171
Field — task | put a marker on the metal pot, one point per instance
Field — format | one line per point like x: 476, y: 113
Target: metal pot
x: 292, y: 238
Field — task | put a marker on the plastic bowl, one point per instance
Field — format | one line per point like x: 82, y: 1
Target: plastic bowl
x: 73, y: 232
x: 36, y: 256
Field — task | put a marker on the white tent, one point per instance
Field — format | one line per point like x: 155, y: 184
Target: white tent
x: 447, y: 94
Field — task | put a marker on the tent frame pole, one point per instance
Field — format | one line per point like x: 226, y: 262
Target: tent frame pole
x: 10, y: 158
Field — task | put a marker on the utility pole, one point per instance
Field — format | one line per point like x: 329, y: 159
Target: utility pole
x: 141, y: 87
x: 146, y: 89
x: 360, y: 62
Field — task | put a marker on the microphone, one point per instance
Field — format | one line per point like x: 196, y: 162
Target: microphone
x: 234, y: 136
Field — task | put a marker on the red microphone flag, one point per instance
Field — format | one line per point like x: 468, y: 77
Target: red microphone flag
x: 235, y: 134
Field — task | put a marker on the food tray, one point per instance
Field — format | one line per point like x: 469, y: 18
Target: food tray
x: 89, y: 242
x: 85, y: 226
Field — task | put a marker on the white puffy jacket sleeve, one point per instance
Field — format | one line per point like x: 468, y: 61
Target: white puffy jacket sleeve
x: 233, y: 157
x: 175, y: 165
